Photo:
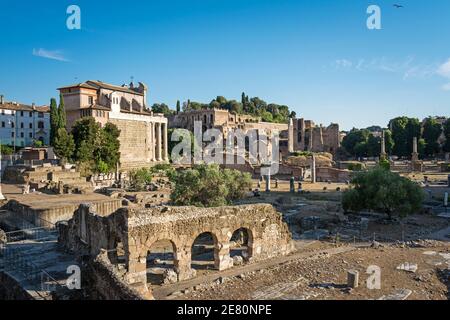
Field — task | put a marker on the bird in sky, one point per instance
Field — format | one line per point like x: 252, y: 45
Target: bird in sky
x: 398, y: 6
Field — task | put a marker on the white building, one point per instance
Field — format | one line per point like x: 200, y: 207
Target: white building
x: 21, y: 125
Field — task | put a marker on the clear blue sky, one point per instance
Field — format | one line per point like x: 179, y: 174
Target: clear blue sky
x: 317, y: 56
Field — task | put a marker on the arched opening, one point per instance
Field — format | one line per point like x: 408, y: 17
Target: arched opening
x: 202, y: 252
x: 241, y: 246
x: 160, y: 263
x: 117, y: 253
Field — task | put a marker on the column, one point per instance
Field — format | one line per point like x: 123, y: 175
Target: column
x: 313, y: 169
x: 222, y: 259
x: 383, y: 145
x: 159, y: 142
x: 153, y: 142
x: 166, y: 143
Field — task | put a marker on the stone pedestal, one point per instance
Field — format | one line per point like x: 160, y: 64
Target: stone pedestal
x: 353, y: 279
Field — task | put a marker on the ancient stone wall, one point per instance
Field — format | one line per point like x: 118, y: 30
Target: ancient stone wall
x: 104, y: 282
x: 138, y: 229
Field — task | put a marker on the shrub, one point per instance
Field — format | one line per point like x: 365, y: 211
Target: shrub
x: 383, y: 191
x: 141, y: 178
x: 209, y: 186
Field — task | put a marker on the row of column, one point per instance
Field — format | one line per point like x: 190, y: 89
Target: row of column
x: 160, y: 145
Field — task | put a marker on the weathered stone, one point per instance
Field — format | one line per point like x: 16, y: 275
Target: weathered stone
x: 170, y: 276
x: 238, y: 260
x: 353, y: 279
x: 401, y: 294
x: 408, y: 267
x: 3, y: 237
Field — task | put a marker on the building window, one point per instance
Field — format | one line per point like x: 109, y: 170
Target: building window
x: 21, y: 113
x: 41, y: 125
x: 3, y: 124
x: 12, y: 134
x: 40, y: 114
x: 91, y: 100
x: 21, y: 125
x: 31, y: 114
x: 31, y: 126
x: 3, y: 112
x: 30, y: 135
x: 12, y: 124
x: 22, y: 135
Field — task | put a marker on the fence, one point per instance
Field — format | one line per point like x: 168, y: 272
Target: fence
x: 13, y: 260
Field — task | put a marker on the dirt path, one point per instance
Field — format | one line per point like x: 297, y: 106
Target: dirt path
x: 165, y: 291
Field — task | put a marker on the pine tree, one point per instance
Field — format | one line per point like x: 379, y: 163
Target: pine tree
x: 54, y: 121
x: 62, y: 113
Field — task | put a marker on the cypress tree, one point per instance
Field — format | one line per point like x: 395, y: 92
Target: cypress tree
x: 54, y: 120
x: 178, y: 106
x: 62, y: 113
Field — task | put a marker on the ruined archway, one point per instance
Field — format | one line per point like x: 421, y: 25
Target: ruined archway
x: 241, y: 243
x: 203, y: 252
x: 160, y: 263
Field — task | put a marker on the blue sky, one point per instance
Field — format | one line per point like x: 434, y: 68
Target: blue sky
x: 317, y: 56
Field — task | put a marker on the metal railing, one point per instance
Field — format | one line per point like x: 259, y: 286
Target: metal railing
x: 12, y: 260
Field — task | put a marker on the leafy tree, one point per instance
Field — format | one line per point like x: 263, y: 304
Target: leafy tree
x: 6, y: 150
x: 447, y: 135
x: 108, y: 151
x: 355, y: 142
x: 162, y: 108
x: 383, y: 191
x: 432, y: 130
x: 373, y: 146
x: 208, y: 186
x: 404, y: 130
x: 400, y: 136
x: 86, y: 134
x: 64, y: 145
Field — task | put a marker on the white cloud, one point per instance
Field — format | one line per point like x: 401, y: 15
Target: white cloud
x: 49, y: 54
x: 343, y: 63
x: 407, y: 68
x: 444, y: 69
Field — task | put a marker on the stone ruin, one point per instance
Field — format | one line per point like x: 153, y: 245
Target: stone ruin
x: 129, y: 233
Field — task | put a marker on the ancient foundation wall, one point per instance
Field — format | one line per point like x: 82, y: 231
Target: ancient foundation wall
x: 50, y: 216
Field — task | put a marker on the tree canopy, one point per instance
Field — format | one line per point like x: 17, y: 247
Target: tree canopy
x: 209, y: 186
x: 383, y: 191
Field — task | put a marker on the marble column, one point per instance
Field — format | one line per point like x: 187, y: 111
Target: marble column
x: 166, y: 143
x: 153, y: 142
x: 159, y: 142
x: 383, y: 146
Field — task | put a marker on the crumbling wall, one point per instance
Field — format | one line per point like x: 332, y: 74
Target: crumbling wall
x: 104, y: 282
x: 138, y: 229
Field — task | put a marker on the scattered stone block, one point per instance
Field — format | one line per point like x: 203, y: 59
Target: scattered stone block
x: 401, y: 294
x: 353, y: 279
x: 170, y: 277
x: 408, y: 267
x: 238, y: 260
